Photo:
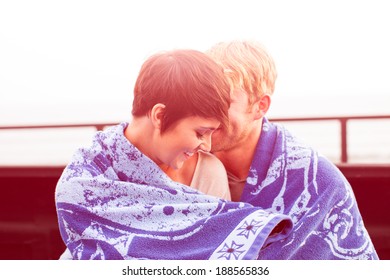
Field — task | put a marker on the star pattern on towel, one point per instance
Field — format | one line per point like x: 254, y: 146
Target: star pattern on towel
x: 231, y: 251
x: 248, y: 228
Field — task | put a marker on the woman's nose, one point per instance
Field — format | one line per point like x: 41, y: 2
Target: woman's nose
x: 206, y: 144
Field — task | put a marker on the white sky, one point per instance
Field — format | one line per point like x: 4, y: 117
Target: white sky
x: 66, y: 60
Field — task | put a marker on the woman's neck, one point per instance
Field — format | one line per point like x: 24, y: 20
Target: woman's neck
x: 184, y: 174
x: 139, y: 132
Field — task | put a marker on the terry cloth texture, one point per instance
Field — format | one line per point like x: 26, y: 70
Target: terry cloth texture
x: 113, y: 202
x: 288, y: 177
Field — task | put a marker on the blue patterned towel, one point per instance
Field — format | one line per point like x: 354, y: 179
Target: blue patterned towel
x: 115, y: 203
x: 289, y: 177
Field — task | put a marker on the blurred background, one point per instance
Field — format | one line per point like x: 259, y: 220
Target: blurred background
x: 73, y: 62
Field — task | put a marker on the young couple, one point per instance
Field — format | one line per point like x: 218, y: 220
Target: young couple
x: 151, y: 189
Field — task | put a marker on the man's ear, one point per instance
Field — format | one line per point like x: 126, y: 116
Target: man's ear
x: 260, y: 108
x: 157, y: 115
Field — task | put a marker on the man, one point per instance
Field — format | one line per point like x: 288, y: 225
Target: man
x: 269, y: 168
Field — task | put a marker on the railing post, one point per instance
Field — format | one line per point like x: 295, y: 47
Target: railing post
x: 99, y: 127
x: 344, y: 148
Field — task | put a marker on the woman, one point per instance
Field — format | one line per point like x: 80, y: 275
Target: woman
x: 127, y: 195
x: 178, y: 104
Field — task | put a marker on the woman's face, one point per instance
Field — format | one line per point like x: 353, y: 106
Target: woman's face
x: 186, y: 137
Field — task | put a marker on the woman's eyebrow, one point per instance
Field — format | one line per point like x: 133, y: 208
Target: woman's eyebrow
x: 208, y: 127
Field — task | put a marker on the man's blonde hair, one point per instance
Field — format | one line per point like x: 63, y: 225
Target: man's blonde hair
x: 247, y: 66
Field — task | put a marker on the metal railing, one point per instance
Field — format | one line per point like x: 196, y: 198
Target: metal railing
x: 343, y: 120
x: 98, y: 126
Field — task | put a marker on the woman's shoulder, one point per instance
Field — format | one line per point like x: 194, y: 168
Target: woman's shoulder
x: 209, y: 159
x: 210, y: 176
x: 209, y: 166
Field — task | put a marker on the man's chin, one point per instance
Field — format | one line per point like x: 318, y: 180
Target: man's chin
x: 217, y: 144
x: 216, y: 148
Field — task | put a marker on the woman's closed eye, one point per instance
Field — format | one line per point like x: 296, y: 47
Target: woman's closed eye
x: 200, y: 135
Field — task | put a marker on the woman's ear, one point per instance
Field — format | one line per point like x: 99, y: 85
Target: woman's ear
x: 260, y: 108
x: 157, y: 115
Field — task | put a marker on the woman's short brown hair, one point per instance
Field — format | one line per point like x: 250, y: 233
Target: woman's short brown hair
x: 187, y: 82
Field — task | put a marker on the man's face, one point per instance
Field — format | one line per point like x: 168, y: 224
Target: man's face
x: 240, y: 123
